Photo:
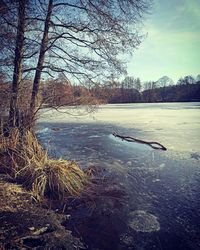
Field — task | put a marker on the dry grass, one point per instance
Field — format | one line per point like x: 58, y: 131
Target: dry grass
x: 11, y: 141
x: 31, y: 166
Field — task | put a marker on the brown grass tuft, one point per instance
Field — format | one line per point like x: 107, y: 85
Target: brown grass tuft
x: 31, y: 166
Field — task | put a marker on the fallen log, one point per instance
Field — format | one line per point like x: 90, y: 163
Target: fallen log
x: 153, y: 144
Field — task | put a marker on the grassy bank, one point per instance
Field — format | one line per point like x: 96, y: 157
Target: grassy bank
x: 26, y: 162
x: 29, y: 182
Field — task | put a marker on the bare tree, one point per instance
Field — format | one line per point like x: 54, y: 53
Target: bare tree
x: 17, y: 73
x: 8, y: 28
x: 149, y: 91
x: 84, y: 40
x: 40, y: 63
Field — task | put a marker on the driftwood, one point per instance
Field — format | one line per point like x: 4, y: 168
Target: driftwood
x: 153, y: 144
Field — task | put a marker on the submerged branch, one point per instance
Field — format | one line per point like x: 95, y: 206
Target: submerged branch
x: 154, y: 145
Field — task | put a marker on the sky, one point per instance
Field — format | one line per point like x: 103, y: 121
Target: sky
x: 172, y: 45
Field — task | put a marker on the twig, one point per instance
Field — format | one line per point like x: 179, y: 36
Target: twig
x: 150, y: 143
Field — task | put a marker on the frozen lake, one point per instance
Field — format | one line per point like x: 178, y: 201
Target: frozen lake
x: 162, y: 210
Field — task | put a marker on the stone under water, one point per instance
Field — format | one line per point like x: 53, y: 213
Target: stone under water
x: 142, y: 221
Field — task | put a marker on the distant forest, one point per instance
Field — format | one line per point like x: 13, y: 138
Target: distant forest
x: 60, y: 92
x: 131, y: 90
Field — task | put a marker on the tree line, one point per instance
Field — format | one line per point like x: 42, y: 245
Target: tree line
x: 129, y: 90
x: 60, y: 92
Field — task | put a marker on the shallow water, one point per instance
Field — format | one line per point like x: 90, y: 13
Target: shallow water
x: 162, y: 208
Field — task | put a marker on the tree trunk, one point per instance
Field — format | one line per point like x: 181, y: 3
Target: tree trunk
x: 18, y: 66
x: 43, y: 48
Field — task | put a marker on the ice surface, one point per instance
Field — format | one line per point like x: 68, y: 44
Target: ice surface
x: 163, y: 187
x: 175, y: 125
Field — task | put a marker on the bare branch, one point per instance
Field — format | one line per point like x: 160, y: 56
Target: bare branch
x: 150, y: 143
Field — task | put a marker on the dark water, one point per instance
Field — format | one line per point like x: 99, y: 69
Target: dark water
x: 160, y: 203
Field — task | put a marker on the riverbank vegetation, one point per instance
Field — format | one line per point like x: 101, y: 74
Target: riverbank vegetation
x: 27, y: 163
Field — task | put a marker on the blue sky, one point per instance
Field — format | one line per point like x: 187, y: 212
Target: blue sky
x: 172, y: 46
